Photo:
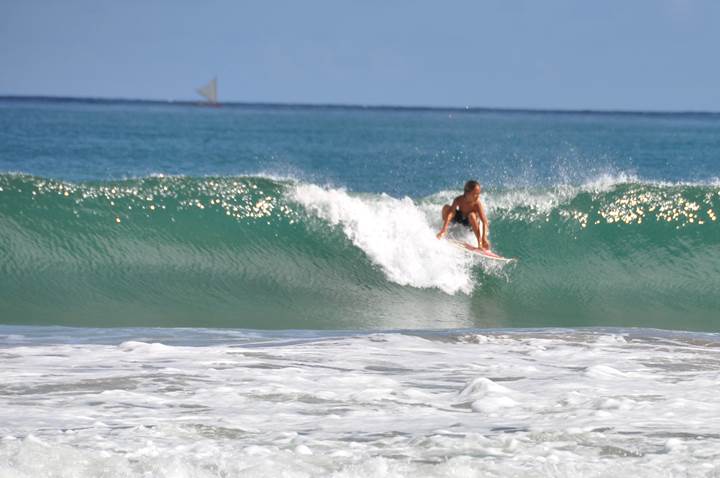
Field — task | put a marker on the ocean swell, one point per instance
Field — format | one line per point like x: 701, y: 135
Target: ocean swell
x: 267, y: 253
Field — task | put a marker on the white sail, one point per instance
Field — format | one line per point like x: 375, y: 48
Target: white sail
x: 209, y: 91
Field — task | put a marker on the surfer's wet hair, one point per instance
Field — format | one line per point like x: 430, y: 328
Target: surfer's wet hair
x: 470, y: 185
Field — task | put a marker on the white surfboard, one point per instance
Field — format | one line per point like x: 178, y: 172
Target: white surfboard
x: 480, y: 252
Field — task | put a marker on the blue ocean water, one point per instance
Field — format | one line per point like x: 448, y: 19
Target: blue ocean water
x: 257, y: 290
x: 414, y: 152
x: 281, y: 217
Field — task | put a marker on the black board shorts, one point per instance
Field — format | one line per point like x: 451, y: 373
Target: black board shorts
x: 459, y: 218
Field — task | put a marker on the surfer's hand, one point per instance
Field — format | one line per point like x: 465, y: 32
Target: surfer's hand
x: 440, y: 234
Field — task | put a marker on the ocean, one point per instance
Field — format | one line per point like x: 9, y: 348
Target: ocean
x: 257, y: 290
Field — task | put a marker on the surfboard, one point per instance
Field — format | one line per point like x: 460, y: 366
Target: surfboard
x: 480, y: 252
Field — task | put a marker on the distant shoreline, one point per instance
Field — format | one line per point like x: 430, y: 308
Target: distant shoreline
x: 341, y: 106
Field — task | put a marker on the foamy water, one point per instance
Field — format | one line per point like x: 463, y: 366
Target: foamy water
x: 396, y: 234
x: 143, y: 402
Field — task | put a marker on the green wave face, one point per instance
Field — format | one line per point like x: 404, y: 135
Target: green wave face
x: 640, y: 251
x: 255, y: 252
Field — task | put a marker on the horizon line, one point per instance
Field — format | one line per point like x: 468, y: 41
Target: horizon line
x: 356, y: 106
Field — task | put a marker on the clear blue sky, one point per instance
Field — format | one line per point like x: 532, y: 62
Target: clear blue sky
x: 610, y: 54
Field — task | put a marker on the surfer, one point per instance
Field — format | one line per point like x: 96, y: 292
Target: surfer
x: 468, y: 211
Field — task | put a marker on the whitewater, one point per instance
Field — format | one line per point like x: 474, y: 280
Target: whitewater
x: 203, y: 402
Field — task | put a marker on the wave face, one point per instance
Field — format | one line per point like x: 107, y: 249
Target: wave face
x: 258, y: 252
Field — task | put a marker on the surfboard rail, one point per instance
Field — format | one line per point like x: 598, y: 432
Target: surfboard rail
x: 480, y: 252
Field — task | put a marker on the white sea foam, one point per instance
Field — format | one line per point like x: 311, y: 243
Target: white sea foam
x: 396, y: 234
x: 361, y: 405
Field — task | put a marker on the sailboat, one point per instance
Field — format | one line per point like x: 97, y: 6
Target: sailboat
x: 209, y: 92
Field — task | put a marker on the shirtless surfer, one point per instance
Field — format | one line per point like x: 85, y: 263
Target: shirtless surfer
x: 468, y: 211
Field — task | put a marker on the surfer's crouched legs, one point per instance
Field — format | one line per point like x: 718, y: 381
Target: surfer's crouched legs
x: 445, y: 211
x: 474, y: 220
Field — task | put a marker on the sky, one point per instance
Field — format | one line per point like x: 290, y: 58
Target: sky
x: 552, y: 54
